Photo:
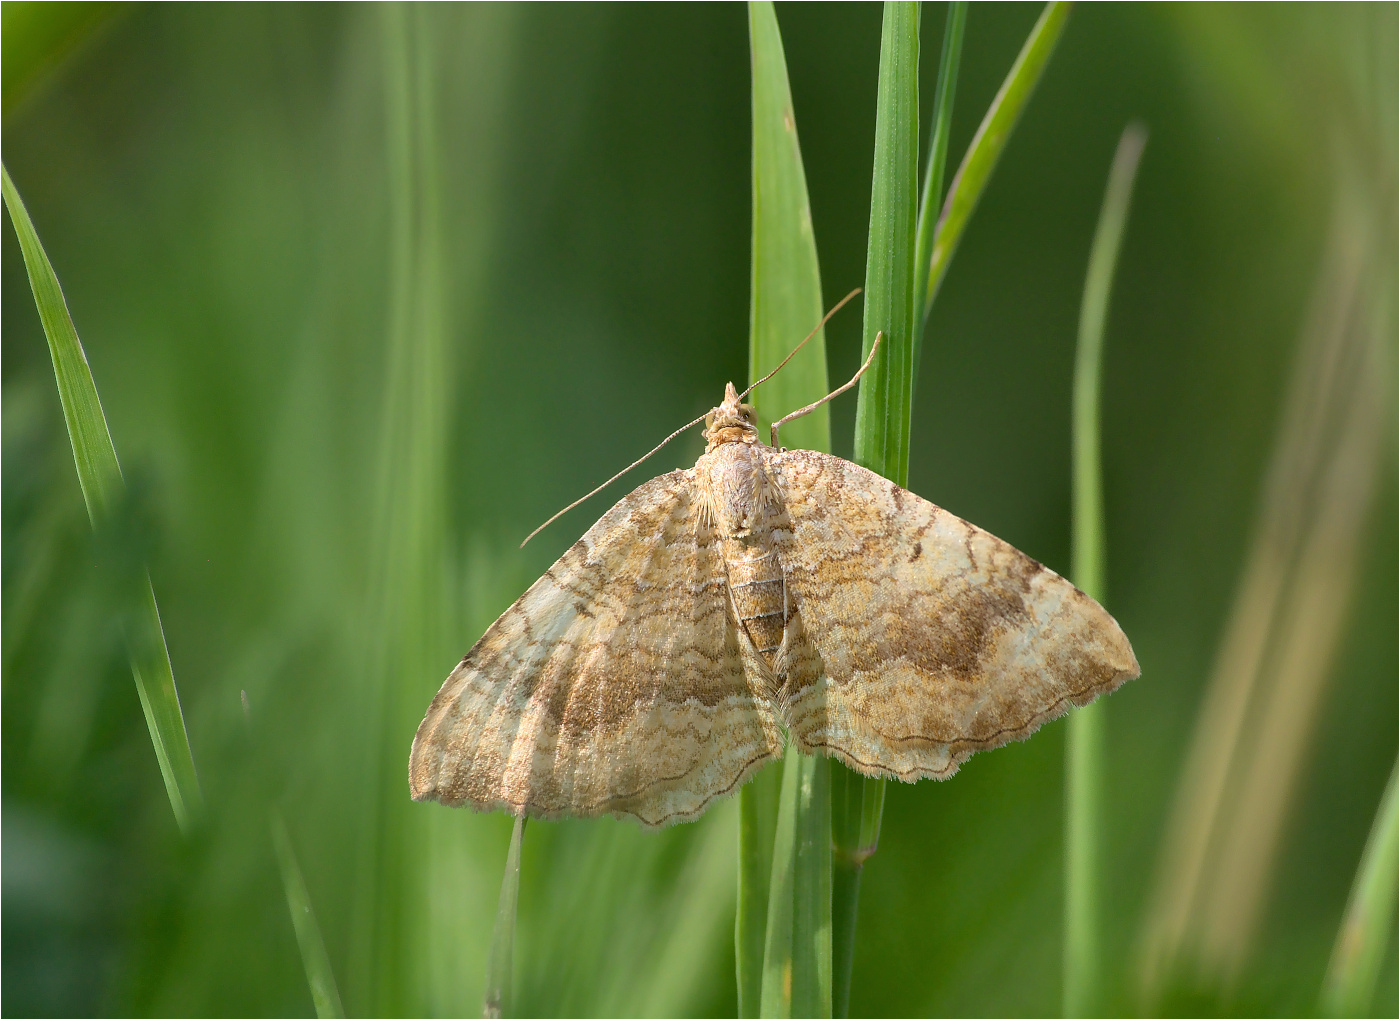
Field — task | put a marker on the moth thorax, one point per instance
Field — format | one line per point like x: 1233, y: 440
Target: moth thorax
x: 735, y: 485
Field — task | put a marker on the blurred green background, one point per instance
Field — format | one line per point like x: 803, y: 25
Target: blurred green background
x: 352, y: 347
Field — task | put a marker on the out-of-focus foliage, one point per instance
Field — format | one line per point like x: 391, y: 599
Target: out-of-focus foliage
x: 364, y: 307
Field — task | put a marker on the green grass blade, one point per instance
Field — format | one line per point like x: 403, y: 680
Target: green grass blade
x: 96, y: 458
x: 797, y: 952
x: 319, y: 975
x: 932, y: 198
x: 1083, y: 824
x: 1355, y: 966
x: 811, y: 907
x: 776, y: 995
x: 100, y: 477
x: 785, y: 295
x: 1087, y: 555
x: 1084, y: 754
x: 499, y: 961
x: 782, y: 946
x: 882, y: 410
x: 847, y: 791
x: 857, y: 804
x: 758, y: 822
x: 989, y: 141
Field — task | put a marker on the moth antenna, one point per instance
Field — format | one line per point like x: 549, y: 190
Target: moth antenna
x: 825, y: 318
x: 773, y: 433
x: 629, y: 467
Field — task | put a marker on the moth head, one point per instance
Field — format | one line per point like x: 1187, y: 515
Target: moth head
x: 732, y: 421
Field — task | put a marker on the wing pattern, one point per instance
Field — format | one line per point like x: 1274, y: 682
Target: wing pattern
x: 615, y: 685
x: 933, y: 638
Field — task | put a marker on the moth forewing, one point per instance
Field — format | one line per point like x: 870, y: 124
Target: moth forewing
x: 613, y: 686
x: 936, y: 638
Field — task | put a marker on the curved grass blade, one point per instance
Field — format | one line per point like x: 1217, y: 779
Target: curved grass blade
x: 1084, y: 754
x: 499, y: 961
x: 100, y: 477
x: 319, y: 975
x: 1356, y: 958
x: 989, y: 141
x: 783, y: 919
x: 932, y: 198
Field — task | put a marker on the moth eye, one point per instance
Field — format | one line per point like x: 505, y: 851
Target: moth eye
x: 746, y: 411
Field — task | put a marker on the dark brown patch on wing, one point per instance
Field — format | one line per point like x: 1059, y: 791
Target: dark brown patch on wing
x: 936, y: 639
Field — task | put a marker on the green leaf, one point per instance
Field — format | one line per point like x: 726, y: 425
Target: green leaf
x: 811, y: 906
x: 758, y: 823
x: 100, y: 477
x: 991, y: 138
x: 796, y: 976
x: 1084, y: 753
x: 776, y: 997
x: 857, y: 803
x: 1350, y: 984
x: 499, y: 959
x: 882, y: 411
x: 783, y: 943
x: 783, y: 920
x: 319, y: 975
x: 785, y: 294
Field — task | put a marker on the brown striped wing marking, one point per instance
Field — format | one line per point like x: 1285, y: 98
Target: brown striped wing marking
x: 933, y: 639
x: 615, y: 685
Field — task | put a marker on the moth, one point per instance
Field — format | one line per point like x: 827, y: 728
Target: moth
x: 763, y: 595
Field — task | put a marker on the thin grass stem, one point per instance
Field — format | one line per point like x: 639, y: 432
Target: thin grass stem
x: 811, y: 905
x: 932, y: 197
x: 1084, y: 753
x: 319, y: 976
x: 776, y: 994
x: 104, y: 492
x: 989, y: 142
x: 500, y: 957
x: 1350, y: 984
x: 758, y: 824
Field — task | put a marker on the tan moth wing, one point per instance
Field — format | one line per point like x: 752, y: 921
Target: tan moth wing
x: 935, y: 639
x: 615, y: 685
